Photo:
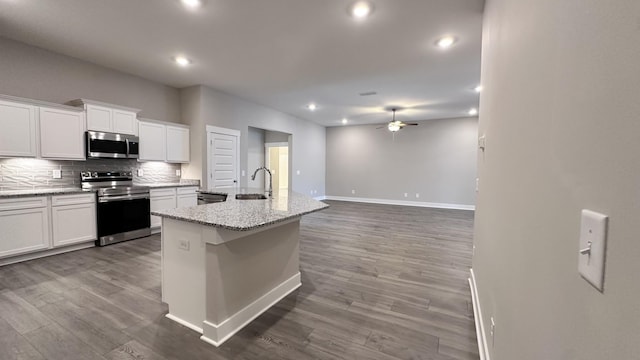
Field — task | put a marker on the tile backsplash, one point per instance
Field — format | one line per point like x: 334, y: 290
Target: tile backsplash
x: 29, y: 174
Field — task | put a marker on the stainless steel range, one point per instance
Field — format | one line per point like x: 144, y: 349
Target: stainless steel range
x: 123, y: 208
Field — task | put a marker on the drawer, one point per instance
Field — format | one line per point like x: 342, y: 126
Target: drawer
x: 163, y: 192
x: 73, y: 199
x: 187, y: 190
x: 23, y: 203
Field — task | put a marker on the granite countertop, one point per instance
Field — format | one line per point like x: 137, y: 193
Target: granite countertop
x: 75, y: 190
x: 243, y: 215
x: 41, y: 192
x: 183, y: 183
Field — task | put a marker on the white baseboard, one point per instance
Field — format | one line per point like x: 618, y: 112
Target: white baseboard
x: 44, y: 253
x: 401, y: 202
x: 217, y: 334
x: 320, y: 198
x: 184, y: 323
x: 477, y: 315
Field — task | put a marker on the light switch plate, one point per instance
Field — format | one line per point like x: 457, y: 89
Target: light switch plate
x: 482, y: 142
x: 140, y: 172
x: 593, y: 247
x: 178, y: 172
x: 57, y: 174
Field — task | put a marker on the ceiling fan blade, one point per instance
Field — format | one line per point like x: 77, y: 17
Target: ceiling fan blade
x: 412, y: 124
x: 382, y: 127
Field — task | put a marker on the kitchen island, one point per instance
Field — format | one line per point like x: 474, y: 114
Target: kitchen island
x: 224, y: 264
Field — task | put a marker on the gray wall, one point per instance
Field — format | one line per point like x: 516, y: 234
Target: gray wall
x: 275, y: 137
x: 35, y: 73
x: 436, y: 159
x: 560, y: 111
x: 255, y: 156
x: 223, y: 110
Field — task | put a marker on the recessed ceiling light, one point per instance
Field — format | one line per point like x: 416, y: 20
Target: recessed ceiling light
x: 446, y: 42
x: 477, y: 88
x: 473, y: 111
x: 312, y: 106
x: 182, y: 61
x: 345, y: 121
x: 192, y: 3
x: 361, y: 9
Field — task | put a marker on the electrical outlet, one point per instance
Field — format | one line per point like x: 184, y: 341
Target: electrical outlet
x: 417, y: 195
x: 178, y: 172
x: 477, y: 184
x: 405, y: 194
x: 183, y: 244
x: 243, y: 173
x: 57, y: 174
x: 140, y: 172
x: 297, y: 172
x: 353, y: 192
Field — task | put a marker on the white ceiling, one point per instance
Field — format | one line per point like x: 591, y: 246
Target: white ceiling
x: 280, y: 53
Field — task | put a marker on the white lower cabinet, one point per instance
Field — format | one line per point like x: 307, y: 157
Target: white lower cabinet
x: 36, y: 226
x: 161, y: 199
x: 169, y: 198
x: 187, y: 196
x: 73, y: 218
x: 25, y: 226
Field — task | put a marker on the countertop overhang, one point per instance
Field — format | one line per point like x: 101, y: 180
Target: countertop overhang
x: 244, y: 215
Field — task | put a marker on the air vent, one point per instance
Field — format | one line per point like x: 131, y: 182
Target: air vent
x: 368, y: 93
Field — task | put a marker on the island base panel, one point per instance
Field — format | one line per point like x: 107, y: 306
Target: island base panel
x: 248, y: 275
x: 183, y: 272
x: 217, y: 289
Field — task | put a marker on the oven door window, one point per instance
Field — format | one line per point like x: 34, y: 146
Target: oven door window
x: 107, y: 146
x: 122, y: 216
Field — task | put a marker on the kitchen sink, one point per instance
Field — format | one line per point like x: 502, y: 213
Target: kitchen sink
x: 250, y: 197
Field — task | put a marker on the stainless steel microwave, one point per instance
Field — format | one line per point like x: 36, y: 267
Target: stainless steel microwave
x: 102, y: 145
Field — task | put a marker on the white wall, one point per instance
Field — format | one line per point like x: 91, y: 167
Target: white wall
x: 35, y: 73
x: 560, y: 111
x: 436, y: 159
x: 223, y: 110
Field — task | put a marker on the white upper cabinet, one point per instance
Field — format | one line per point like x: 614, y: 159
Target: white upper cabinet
x: 61, y: 134
x: 111, y: 118
x: 17, y: 129
x: 98, y: 118
x: 152, y: 141
x: 177, y: 144
x: 125, y: 122
x: 161, y: 141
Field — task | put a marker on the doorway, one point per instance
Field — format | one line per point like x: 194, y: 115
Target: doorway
x: 277, y: 160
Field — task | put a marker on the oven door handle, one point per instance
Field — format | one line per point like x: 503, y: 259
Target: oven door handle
x: 127, y: 141
x: 107, y: 199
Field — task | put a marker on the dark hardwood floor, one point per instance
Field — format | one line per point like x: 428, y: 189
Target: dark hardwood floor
x: 378, y: 282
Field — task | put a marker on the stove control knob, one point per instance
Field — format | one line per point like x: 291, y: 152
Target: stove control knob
x: 95, y: 174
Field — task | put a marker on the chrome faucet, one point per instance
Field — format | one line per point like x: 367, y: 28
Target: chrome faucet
x: 253, y: 177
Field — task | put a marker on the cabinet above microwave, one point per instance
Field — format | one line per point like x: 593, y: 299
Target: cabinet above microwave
x: 109, y: 118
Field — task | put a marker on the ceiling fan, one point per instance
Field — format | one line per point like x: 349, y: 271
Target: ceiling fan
x: 396, y: 125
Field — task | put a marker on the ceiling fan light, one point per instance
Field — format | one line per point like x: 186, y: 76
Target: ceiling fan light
x: 393, y: 126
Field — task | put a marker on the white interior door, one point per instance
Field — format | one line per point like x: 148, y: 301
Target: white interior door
x: 224, y: 153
